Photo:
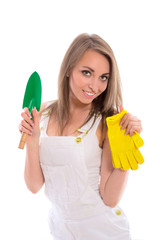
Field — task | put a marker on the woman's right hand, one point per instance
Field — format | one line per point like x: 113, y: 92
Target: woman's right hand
x: 28, y: 126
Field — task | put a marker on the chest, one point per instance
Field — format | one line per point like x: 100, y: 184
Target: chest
x: 73, y: 129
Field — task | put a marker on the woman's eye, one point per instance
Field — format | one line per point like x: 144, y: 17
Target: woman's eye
x: 104, y: 78
x: 86, y: 73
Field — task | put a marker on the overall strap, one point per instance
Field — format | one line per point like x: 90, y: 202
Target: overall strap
x: 44, y: 121
x: 88, y: 126
x: 96, y: 123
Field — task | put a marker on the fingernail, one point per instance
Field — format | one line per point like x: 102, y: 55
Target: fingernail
x: 29, y: 115
x: 33, y: 109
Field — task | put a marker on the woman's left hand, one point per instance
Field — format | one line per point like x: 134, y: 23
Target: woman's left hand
x: 131, y: 123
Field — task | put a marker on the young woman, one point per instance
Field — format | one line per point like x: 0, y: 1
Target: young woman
x: 71, y: 152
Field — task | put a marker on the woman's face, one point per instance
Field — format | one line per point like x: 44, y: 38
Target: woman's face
x: 89, y: 77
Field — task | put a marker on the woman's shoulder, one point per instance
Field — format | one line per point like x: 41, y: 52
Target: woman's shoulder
x: 44, y: 106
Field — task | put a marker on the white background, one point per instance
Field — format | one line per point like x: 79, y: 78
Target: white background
x: 34, y: 36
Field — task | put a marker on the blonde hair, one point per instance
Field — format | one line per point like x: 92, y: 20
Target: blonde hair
x: 109, y: 101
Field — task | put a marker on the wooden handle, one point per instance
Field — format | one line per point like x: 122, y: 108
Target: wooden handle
x: 23, y: 140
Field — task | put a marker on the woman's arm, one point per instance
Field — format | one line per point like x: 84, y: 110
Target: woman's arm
x: 33, y: 173
x: 114, y: 180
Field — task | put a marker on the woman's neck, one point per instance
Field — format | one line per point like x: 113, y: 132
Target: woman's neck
x: 78, y: 107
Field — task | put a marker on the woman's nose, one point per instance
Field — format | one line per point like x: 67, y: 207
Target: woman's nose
x: 93, y: 85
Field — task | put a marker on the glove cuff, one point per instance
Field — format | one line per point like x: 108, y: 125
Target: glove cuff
x: 115, y: 118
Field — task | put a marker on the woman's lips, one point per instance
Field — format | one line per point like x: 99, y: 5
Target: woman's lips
x: 88, y: 94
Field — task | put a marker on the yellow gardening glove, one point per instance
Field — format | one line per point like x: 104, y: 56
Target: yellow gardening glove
x: 124, y: 148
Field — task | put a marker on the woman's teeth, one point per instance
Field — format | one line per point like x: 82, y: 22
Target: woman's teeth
x: 89, y: 93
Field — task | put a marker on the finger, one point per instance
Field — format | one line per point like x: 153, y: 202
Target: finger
x: 124, y: 120
x: 128, y: 124
x: 128, y: 128
x: 131, y: 128
x: 26, y: 110
x: 26, y: 125
x: 19, y: 127
x: 135, y: 125
x: 22, y: 129
x: 121, y: 108
x: 35, y: 116
x: 26, y: 117
x: 128, y: 118
x: 139, y: 130
x: 130, y: 131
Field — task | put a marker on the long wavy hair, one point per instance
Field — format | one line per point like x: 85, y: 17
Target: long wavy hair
x: 108, y: 102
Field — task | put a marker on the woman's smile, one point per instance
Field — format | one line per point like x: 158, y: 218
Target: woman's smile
x: 88, y: 94
x: 89, y: 77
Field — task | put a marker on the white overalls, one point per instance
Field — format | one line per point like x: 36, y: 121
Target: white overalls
x: 72, y: 175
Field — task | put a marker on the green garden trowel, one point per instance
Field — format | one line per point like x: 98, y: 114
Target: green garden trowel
x: 32, y: 98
